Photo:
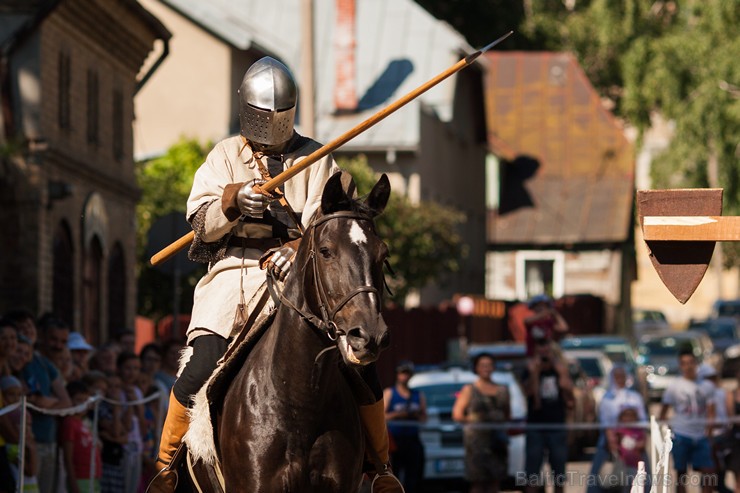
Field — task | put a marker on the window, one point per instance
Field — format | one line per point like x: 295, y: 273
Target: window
x: 116, y: 290
x: 118, y: 124
x: 92, y: 106
x: 64, y: 82
x: 91, y: 285
x: 540, y: 272
x: 63, y: 273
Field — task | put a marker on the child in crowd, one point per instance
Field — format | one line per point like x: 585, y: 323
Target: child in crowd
x: 77, y: 442
x: 129, y: 367
x: 96, y: 382
x: 114, y: 423
x: 627, y: 442
x: 544, y: 326
x: 12, y: 390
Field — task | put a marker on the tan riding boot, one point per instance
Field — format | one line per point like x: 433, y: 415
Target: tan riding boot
x: 373, y: 419
x: 175, y: 425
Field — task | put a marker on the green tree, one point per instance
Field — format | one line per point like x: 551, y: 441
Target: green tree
x: 165, y: 184
x: 691, y: 76
x: 422, y: 238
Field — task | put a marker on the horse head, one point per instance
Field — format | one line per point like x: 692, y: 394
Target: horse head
x: 340, y: 268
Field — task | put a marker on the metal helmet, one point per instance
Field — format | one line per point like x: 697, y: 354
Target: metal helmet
x: 267, y: 102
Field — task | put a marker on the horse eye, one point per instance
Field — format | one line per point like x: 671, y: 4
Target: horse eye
x: 325, y: 252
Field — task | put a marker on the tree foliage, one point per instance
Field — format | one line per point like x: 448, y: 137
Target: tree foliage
x: 165, y: 184
x: 422, y: 238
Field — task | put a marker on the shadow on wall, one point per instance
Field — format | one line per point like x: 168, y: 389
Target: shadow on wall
x: 514, y: 174
x: 387, y: 84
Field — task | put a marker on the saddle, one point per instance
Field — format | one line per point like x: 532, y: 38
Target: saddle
x: 202, y: 435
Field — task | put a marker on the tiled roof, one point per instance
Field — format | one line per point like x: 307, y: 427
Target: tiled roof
x: 567, y: 168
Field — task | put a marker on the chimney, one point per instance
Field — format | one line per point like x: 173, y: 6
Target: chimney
x: 345, y: 95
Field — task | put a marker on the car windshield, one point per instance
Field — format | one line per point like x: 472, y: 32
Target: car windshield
x: 618, y: 356
x: 591, y: 367
x: 728, y: 309
x: 719, y: 330
x: 667, y: 346
x: 617, y: 352
x: 441, y: 396
x: 648, y: 316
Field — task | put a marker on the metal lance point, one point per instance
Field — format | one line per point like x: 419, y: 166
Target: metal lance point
x: 490, y: 45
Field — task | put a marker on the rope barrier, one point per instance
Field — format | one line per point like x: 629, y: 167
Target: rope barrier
x: 10, y: 408
x: 523, y: 425
x: 91, y: 403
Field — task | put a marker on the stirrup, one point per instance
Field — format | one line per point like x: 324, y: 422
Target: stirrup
x: 386, y: 472
x: 170, y: 467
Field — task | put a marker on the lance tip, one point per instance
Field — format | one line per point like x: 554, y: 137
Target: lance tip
x: 490, y: 45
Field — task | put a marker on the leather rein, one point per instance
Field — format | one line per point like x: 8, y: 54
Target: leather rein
x: 325, y: 323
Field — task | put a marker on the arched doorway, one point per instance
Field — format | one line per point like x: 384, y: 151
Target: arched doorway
x: 63, y: 273
x: 91, y: 291
x: 116, y: 290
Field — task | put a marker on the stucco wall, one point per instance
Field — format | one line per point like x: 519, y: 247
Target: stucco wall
x: 190, y: 94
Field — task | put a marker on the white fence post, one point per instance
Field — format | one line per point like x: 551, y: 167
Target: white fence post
x: 660, y: 446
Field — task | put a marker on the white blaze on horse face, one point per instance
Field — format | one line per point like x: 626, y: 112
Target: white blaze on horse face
x: 356, y: 234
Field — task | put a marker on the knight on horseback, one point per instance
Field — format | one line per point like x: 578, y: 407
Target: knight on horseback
x: 236, y: 226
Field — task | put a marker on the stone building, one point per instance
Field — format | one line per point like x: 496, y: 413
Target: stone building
x: 68, y: 75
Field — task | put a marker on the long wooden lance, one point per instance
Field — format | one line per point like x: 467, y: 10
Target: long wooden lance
x: 172, y: 249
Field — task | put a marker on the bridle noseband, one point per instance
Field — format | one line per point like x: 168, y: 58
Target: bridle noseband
x: 325, y: 321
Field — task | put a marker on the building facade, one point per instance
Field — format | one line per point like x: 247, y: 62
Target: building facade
x: 69, y: 75
x: 561, y: 187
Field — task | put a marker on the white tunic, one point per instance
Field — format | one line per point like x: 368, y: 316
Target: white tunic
x: 218, y: 291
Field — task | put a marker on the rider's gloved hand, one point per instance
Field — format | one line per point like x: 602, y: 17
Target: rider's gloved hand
x: 252, y: 203
x: 281, y: 261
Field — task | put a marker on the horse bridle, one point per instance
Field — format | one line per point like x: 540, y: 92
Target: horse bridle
x: 325, y: 322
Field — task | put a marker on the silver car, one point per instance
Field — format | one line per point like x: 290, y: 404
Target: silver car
x: 443, y: 439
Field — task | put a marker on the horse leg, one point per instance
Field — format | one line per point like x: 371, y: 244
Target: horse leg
x: 330, y: 472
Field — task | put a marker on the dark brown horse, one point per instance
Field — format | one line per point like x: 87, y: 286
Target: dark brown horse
x: 290, y: 420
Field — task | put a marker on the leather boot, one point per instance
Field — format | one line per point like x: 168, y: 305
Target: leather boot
x: 376, y: 430
x: 175, y: 425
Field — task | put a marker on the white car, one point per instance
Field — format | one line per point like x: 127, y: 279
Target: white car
x: 442, y: 438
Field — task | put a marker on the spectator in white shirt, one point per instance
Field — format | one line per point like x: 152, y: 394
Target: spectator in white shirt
x: 693, y: 407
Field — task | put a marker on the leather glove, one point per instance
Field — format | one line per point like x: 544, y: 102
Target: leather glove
x: 281, y: 261
x: 251, y: 203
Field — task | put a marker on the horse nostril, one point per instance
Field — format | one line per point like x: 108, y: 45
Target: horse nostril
x: 385, y: 340
x: 357, y: 337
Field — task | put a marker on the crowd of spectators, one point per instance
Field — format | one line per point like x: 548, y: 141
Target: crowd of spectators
x: 55, y: 368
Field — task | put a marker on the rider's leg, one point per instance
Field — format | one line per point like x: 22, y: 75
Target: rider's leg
x: 376, y: 428
x: 207, y: 350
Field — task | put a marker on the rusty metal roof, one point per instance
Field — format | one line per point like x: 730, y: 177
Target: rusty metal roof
x: 567, y: 170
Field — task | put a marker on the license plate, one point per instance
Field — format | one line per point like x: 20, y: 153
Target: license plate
x: 450, y: 465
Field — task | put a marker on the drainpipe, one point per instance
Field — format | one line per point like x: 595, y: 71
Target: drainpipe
x: 345, y: 94
x: 155, y: 66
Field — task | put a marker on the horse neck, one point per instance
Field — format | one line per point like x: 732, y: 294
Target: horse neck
x: 294, y: 345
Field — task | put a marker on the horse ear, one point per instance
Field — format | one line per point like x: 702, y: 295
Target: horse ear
x: 379, y: 195
x: 334, y: 197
